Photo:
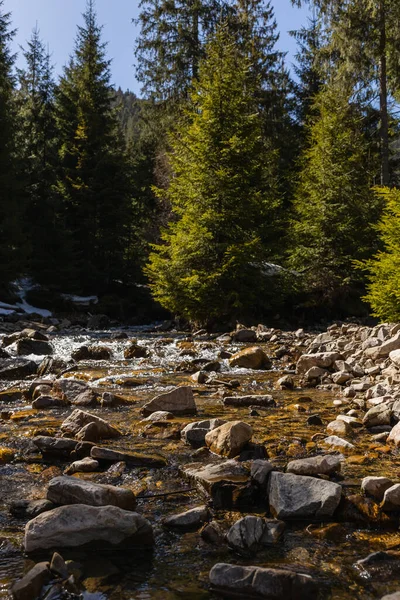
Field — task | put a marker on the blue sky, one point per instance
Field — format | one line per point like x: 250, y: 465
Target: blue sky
x: 57, y: 21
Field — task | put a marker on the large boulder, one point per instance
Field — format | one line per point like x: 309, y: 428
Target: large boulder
x: 316, y: 465
x: 298, y: 496
x: 236, y: 581
x: 324, y: 360
x: 32, y: 583
x: 70, y: 490
x: 16, y: 368
x: 251, y: 358
x: 78, y: 420
x: 195, y: 433
x: 27, y: 346
x: 78, y: 524
x: 179, y: 401
x: 229, y: 439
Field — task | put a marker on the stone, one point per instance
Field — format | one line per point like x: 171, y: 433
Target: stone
x: 394, y: 435
x: 200, y: 377
x: 79, y: 419
x: 298, y: 496
x: 314, y: 420
x: 39, y: 389
x: 386, y: 348
x: 315, y: 373
x: 251, y: 358
x: 316, y: 465
x: 135, y: 351
x: 86, y: 465
x: 335, y: 441
x: 339, y: 428
x: 391, y: 498
x: 195, y: 433
x: 250, y: 533
x: 260, y: 470
x: 354, y: 422
x: 394, y: 596
x: 70, y: 388
x: 212, y: 533
x: 86, y: 398
x: 98, y: 322
x: 229, y: 439
x: 209, y: 477
x: 286, y: 382
x: 132, y: 458
x: 244, y: 335
x: 111, y: 400
x: 78, y: 524
x: 91, y: 353
x: 376, y: 486
x: 70, y: 490
x: 378, y: 415
x: 179, y: 401
x: 190, y: 519
x: 159, y: 415
x: 50, y: 365
x: 342, y: 377
x: 30, y: 586
x: 257, y: 582
x: 27, y: 346
x: 43, y: 402
x: 395, y: 357
x: 60, y: 447
x: 58, y: 566
x: 324, y: 360
x: 16, y: 368
x: 23, y: 509
x: 252, y: 400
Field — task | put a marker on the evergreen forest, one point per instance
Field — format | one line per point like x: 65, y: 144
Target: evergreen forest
x: 236, y: 187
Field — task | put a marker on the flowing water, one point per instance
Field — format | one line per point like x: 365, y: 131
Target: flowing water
x: 178, y: 566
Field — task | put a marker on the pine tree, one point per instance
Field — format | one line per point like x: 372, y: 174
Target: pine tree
x: 171, y: 44
x: 366, y: 38
x: 10, y: 241
x: 95, y: 178
x: 223, y: 195
x: 37, y: 143
x: 383, y: 291
x: 334, y: 207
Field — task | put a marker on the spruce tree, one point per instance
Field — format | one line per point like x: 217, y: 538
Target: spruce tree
x: 95, y: 178
x: 37, y: 144
x: 10, y: 200
x: 223, y: 195
x: 383, y: 290
x: 334, y: 206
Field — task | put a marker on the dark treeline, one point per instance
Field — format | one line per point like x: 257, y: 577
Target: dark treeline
x: 233, y: 189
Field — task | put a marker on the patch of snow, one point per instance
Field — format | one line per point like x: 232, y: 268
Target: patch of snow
x: 22, y: 286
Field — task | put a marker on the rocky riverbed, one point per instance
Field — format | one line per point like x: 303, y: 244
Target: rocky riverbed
x: 142, y: 463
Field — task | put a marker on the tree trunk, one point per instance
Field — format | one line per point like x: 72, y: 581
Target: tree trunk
x: 384, y: 128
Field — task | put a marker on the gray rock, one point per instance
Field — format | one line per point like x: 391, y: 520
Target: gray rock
x: 30, y: 346
x: 160, y: 415
x: 394, y: 435
x: 339, y: 428
x: 58, y: 566
x: 110, y: 400
x: 324, y: 360
x: 31, y: 584
x: 179, y: 401
x: 86, y: 465
x: 250, y: 533
x: 61, y: 447
x: 195, y: 433
x: 391, y: 498
x: 79, y: 419
x: 298, y: 496
x: 16, y: 368
x: 256, y: 582
x: 252, y: 400
x: 43, y: 402
x: 132, y: 458
x: 70, y: 490
x: 316, y: 465
x: 376, y: 486
x: 260, y: 470
x: 394, y: 596
x: 70, y: 388
x: 208, y: 476
x: 333, y: 441
x: 91, y: 353
x: 79, y: 524
x: 212, y: 533
x: 191, y: 519
x: 86, y: 398
x: 244, y: 335
x: 378, y: 415
x: 251, y: 358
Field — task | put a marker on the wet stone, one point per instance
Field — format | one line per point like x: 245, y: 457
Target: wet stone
x: 69, y: 490
x: 229, y: 439
x: 249, y: 534
x: 179, y: 401
x: 31, y: 584
x: 131, y: 458
x: 191, y: 519
x: 253, y: 400
x: 317, y: 465
x: 376, y: 486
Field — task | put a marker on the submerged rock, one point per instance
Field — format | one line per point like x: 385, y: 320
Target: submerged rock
x: 191, y: 519
x: 250, y: 533
x: 179, y: 401
x: 134, y: 459
x: 256, y: 582
x: 79, y: 524
x: 78, y: 420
